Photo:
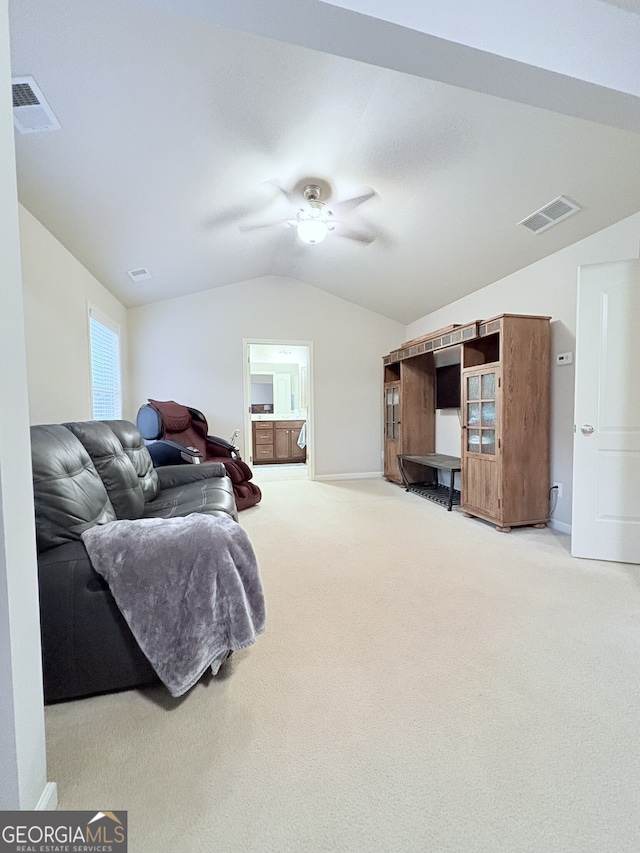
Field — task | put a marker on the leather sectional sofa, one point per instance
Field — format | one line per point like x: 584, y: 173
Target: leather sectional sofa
x: 88, y: 473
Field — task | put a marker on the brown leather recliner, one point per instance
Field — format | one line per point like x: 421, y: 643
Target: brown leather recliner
x: 176, y: 433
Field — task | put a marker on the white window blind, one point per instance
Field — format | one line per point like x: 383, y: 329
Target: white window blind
x: 105, y: 371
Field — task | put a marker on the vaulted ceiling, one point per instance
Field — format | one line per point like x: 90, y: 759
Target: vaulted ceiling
x: 179, y: 133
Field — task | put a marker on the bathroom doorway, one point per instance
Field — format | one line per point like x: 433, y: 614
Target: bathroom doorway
x: 278, y: 408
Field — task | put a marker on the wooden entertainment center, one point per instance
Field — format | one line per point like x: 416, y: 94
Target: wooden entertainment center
x: 505, y: 414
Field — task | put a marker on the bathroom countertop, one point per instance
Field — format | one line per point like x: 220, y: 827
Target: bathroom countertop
x: 275, y: 417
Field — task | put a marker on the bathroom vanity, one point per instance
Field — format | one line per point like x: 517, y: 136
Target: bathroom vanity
x: 275, y: 440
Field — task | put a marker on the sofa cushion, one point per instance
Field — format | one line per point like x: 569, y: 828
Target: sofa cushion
x: 69, y: 495
x: 135, y: 448
x: 114, y: 466
x: 213, y: 496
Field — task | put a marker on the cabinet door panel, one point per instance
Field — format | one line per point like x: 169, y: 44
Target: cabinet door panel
x: 480, y: 411
x: 392, y: 432
x: 283, y: 443
x: 480, y: 489
x: 392, y: 412
x: 481, y: 461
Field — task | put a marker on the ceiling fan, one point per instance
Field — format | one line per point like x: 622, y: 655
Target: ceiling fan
x: 315, y: 219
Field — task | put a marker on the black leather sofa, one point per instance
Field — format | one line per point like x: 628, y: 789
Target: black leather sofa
x: 88, y: 473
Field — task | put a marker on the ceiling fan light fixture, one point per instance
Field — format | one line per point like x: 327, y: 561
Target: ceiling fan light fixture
x: 312, y: 230
x: 313, y: 221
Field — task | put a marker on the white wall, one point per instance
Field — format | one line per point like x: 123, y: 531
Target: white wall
x: 190, y: 350
x: 57, y: 290
x: 22, y: 744
x: 548, y: 287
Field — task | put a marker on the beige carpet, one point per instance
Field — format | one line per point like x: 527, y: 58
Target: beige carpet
x: 424, y: 684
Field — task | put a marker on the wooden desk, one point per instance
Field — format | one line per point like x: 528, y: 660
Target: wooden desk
x: 431, y: 490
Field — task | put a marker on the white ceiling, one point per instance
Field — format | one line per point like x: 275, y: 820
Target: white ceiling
x: 629, y: 5
x: 174, y: 131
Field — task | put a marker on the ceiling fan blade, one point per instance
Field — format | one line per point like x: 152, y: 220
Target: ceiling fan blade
x: 351, y: 203
x: 290, y: 197
x: 256, y: 226
x: 233, y: 212
x: 228, y: 215
x: 351, y: 234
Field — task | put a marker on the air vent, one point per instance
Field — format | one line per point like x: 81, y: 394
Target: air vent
x: 31, y: 112
x: 548, y: 215
x: 139, y: 275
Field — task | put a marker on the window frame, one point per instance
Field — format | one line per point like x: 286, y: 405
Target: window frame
x: 109, y: 323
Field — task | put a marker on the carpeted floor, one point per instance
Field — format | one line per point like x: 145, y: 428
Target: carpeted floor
x: 424, y: 685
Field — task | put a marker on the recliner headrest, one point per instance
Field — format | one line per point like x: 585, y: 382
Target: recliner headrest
x: 149, y: 423
x: 176, y: 418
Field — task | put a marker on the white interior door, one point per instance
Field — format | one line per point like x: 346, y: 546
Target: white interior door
x: 606, y: 459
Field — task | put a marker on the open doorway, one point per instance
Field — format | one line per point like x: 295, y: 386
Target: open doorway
x: 278, y: 408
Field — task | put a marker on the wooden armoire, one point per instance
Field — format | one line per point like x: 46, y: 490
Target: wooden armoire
x: 504, y: 413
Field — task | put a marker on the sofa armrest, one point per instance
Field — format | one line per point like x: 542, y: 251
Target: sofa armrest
x: 87, y: 646
x: 179, y: 475
x: 165, y: 452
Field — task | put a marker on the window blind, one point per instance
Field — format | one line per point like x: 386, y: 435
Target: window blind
x: 105, y: 371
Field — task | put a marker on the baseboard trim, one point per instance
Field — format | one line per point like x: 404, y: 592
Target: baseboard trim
x: 48, y: 801
x: 366, y: 475
x: 562, y: 526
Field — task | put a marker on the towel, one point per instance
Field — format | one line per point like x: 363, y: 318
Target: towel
x: 302, y: 438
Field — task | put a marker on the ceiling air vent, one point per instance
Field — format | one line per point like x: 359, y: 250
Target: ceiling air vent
x: 31, y: 112
x: 548, y: 215
x: 139, y: 275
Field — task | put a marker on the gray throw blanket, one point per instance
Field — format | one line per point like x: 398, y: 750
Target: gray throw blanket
x: 188, y: 587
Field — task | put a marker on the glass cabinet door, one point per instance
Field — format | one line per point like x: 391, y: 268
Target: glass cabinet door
x: 392, y: 412
x: 480, y: 413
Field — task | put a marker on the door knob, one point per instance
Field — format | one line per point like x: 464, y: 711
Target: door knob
x: 586, y: 429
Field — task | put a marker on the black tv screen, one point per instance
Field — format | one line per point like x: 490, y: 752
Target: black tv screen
x: 448, y: 387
